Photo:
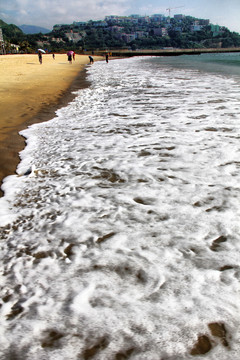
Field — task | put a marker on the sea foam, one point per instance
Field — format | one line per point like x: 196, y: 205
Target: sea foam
x: 123, y: 239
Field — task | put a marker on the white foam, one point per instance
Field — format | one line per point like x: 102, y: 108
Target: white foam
x: 112, y: 236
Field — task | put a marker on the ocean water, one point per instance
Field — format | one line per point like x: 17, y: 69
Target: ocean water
x: 120, y: 235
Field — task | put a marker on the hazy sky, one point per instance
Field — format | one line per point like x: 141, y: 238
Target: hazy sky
x: 47, y: 13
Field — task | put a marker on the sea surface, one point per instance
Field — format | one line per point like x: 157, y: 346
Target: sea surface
x: 120, y: 235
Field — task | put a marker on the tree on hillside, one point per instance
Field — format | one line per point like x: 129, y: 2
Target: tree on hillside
x: 25, y: 47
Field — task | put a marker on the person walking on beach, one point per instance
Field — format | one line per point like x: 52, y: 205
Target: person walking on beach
x: 40, y: 57
x: 53, y: 55
x: 91, y: 59
x: 107, y: 58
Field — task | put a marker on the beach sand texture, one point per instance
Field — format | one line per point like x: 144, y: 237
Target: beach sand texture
x: 31, y: 93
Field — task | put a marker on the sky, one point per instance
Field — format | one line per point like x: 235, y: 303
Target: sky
x: 47, y: 13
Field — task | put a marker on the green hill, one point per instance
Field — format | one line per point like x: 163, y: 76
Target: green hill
x: 11, y: 32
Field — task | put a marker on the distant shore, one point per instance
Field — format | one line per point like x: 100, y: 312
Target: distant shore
x: 172, y: 52
x: 31, y: 93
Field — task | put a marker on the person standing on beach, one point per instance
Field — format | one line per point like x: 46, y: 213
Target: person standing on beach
x: 53, y: 55
x: 107, y: 58
x: 91, y: 59
x: 70, y: 58
x: 40, y: 57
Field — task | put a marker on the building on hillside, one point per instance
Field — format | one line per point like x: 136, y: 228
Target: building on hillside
x: 160, y: 32
x: 113, y: 19
x: 178, y: 28
x: 115, y: 28
x: 216, y: 30
x: 2, y: 43
x: 134, y: 16
x: 196, y: 28
x: 110, y: 18
x: 144, y: 20
x: 15, y: 48
x: 179, y: 17
x: 157, y: 17
x: 43, y: 44
x: 199, y: 24
x: 204, y: 22
x: 99, y: 23
x: 73, y: 36
x: 57, y: 40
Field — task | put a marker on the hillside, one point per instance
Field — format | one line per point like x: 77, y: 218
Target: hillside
x: 32, y: 29
x: 143, y: 32
x: 11, y: 32
x: 124, y: 32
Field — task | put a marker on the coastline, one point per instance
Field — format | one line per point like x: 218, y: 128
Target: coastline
x: 11, y: 143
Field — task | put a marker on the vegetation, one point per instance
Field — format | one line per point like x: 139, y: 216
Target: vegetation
x: 11, y: 33
x: 118, y: 32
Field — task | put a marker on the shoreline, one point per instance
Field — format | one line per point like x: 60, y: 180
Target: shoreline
x: 11, y: 142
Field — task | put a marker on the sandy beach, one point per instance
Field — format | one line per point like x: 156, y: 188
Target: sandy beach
x: 31, y: 93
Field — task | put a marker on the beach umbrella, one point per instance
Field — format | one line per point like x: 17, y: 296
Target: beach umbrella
x: 42, y: 51
x: 70, y: 53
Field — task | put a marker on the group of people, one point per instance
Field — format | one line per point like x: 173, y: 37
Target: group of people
x: 71, y: 56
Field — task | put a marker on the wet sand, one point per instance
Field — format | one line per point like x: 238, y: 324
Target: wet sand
x: 31, y: 93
